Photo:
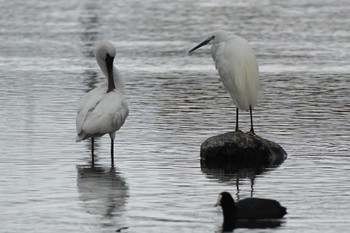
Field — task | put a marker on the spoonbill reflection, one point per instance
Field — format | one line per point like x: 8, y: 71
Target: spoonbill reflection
x: 238, y: 69
x: 103, y: 110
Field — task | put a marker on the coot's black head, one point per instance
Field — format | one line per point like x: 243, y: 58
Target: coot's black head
x: 228, y: 206
x: 225, y: 200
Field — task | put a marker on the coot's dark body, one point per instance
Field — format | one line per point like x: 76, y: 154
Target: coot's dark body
x: 248, y: 209
x: 258, y: 208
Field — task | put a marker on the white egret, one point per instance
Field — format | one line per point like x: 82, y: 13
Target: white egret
x: 103, y: 110
x: 238, y: 69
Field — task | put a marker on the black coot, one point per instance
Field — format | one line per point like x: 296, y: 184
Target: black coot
x: 248, y: 209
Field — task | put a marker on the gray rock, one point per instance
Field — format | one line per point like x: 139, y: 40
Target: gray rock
x: 237, y: 149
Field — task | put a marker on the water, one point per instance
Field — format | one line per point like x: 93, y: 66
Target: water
x: 176, y: 102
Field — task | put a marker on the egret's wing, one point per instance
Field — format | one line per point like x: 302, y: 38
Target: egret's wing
x: 224, y: 65
x: 238, y: 70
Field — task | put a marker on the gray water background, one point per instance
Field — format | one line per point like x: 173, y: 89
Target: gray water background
x: 176, y: 102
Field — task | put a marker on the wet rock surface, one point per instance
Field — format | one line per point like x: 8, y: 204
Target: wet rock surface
x: 237, y: 149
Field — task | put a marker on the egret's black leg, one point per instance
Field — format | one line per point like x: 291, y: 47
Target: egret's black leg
x: 112, y: 152
x: 251, y: 121
x: 252, y: 186
x: 92, y: 152
x: 237, y: 119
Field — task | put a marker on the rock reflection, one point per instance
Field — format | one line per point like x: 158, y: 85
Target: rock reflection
x: 232, y: 174
x: 102, y: 191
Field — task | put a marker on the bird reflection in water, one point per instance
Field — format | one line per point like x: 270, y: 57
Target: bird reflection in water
x: 235, y: 175
x: 235, y: 172
x: 102, y: 192
x: 253, y: 224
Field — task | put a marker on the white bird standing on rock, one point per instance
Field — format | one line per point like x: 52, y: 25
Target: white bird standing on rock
x: 103, y: 110
x: 238, y: 69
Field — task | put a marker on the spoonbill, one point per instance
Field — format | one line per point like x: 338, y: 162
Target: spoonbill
x: 104, y: 109
x: 238, y: 69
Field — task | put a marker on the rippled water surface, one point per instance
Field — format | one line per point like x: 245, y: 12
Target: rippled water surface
x: 176, y: 102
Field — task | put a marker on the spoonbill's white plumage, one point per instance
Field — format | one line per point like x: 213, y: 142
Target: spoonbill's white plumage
x: 238, y: 69
x: 103, y: 110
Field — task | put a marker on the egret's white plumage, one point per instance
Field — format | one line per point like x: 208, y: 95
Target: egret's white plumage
x: 103, y: 110
x: 238, y: 69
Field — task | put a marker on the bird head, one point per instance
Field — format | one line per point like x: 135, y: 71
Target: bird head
x: 105, y: 53
x: 214, y: 38
x: 225, y: 199
x: 104, y: 49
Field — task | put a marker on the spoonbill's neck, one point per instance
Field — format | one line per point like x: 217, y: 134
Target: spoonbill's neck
x: 117, y: 78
